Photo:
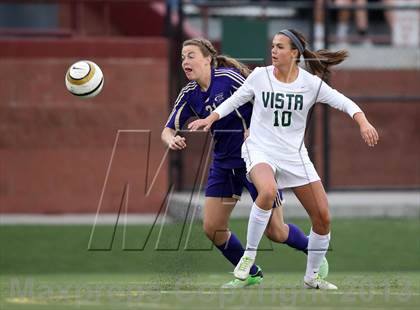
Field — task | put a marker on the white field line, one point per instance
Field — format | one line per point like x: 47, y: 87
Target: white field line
x: 75, y: 219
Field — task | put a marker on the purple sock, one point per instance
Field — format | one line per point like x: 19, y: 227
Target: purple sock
x: 233, y: 251
x: 297, y: 238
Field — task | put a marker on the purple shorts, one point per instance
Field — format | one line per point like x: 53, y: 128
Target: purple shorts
x: 224, y: 182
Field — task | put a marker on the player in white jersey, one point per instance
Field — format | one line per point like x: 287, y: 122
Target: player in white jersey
x: 213, y: 78
x: 275, y: 153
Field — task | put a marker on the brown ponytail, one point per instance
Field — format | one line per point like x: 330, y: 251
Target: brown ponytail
x: 318, y: 62
x: 207, y: 49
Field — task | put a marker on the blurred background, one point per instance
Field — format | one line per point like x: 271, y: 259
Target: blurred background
x: 59, y: 153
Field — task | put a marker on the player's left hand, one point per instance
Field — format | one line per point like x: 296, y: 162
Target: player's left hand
x: 369, y: 134
x: 203, y: 123
x: 198, y: 124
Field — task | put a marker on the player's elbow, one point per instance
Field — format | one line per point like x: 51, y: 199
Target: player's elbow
x: 166, y: 132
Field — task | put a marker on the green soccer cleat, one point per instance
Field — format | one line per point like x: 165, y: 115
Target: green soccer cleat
x: 251, y: 280
x: 323, y: 269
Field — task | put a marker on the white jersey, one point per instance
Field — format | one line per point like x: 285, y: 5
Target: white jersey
x: 281, y: 109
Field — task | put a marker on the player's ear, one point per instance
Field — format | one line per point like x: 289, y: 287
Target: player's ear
x: 208, y: 60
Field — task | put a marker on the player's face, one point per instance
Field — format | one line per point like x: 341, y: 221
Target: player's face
x: 281, y: 52
x: 194, y: 64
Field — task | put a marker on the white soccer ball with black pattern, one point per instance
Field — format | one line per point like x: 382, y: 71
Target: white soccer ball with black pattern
x: 84, y: 79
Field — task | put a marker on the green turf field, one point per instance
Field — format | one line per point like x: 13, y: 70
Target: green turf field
x: 391, y: 290
x: 375, y: 263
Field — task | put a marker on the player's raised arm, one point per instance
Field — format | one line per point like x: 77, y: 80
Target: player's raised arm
x: 243, y: 95
x: 339, y: 101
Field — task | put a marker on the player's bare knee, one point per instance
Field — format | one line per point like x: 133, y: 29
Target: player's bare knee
x: 215, y: 233
x: 325, y: 218
x: 209, y: 230
x: 267, y: 195
x: 321, y: 223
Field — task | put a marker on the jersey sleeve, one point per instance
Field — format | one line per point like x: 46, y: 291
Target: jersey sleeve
x: 180, y: 113
x: 336, y: 99
x: 236, y: 81
x: 242, y: 95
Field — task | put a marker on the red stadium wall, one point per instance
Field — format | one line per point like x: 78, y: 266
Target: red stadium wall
x: 55, y: 148
x: 128, y: 18
x: 394, y: 162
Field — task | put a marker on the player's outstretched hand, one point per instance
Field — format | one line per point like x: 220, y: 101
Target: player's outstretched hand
x: 203, y: 123
x: 177, y: 143
x: 369, y: 134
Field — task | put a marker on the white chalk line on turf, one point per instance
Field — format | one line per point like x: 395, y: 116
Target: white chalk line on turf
x: 269, y: 291
x: 75, y: 219
x: 237, y: 292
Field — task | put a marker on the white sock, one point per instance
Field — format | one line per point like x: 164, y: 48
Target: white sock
x: 258, y: 220
x: 342, y: 30
x: 319, y: 36
x: 319, y: 31
x: 317, y: 248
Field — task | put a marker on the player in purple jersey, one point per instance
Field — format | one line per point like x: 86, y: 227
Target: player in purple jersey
x: 213, y: 79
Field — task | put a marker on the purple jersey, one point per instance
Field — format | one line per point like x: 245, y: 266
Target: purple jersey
x: 228, y: 132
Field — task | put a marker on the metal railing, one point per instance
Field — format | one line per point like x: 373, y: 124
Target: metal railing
x: 77, y: 10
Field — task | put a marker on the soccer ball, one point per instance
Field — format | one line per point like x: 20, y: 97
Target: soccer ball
x: 84, y: 79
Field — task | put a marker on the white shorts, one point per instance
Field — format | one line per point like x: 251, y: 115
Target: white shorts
x: 287, y: 173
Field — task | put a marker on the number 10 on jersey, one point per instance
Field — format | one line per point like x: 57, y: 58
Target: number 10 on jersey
x: 283, y: 117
